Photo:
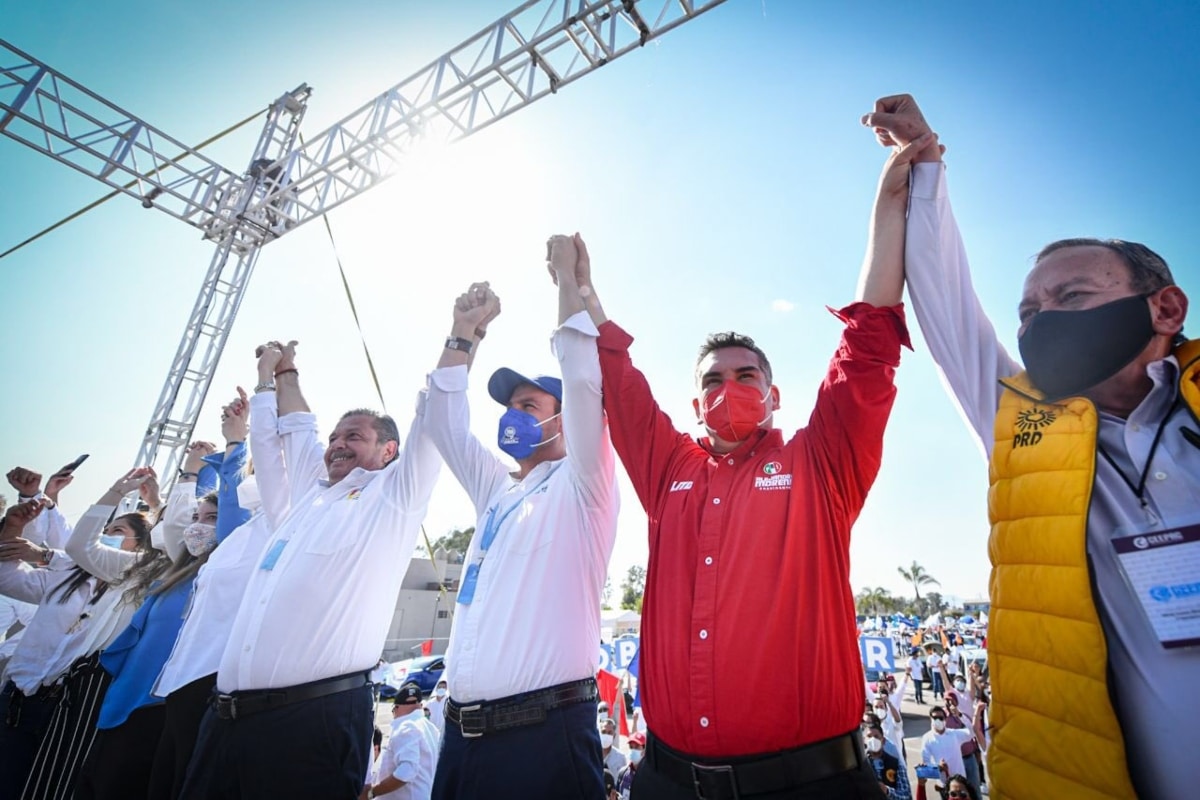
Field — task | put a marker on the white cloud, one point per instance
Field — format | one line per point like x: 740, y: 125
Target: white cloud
x: 782, y: 306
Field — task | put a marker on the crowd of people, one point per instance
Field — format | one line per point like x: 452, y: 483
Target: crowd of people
x: 218, y: 642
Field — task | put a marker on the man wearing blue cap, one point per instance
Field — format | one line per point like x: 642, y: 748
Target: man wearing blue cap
x: 522, y: 655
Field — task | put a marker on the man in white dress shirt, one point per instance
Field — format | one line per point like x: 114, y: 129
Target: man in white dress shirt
x: 293, y: 681
x: 522, y: 657
x: 409, y: 758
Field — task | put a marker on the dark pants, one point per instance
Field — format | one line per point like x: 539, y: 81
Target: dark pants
x: 72, y: 730
x: 118, y: 768
x: 855, y: 784
x: 315, y: 749
x: 23, y: 724
x: 919, y: 690
x: 938, y: 689
x: 558, y: 759
x: 184, y: 709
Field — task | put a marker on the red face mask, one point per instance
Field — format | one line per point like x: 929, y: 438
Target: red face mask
x: 733, y: 411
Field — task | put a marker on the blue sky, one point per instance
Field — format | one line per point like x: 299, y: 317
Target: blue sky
x: 714, y: 173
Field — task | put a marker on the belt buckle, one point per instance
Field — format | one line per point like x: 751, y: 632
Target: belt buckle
x: 227, y: 702
x: 713, y: 777
x: 462, y: 721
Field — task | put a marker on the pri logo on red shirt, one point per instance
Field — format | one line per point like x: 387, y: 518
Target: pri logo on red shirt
x: 773, y: 479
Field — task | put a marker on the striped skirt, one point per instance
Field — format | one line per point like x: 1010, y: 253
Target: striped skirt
x: 69, y: 737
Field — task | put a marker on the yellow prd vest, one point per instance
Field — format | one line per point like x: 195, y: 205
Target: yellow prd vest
x: 1055, y: 733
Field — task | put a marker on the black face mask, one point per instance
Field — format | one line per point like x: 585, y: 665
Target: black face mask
x: 1069, y: 352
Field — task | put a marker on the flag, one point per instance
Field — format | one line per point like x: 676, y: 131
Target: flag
x: 427, y: 647
x: 610, y: 692
x: 634, y: 666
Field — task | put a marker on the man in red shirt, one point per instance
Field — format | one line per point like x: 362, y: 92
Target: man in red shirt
x: 748, y: 580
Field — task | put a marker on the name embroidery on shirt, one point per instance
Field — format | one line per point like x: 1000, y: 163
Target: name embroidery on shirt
x: 1028, y: 426
x: 354, y: 495
x: 772, y: 479
x: 680, y: 486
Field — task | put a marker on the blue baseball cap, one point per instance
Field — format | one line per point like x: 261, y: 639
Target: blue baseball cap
x: 505, y: 381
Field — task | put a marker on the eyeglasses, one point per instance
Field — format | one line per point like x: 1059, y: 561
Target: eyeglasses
x: 938, y: 719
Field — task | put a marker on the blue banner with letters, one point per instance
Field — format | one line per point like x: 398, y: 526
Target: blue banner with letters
x: 878, y: 652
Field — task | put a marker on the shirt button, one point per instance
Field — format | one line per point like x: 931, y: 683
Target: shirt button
x: 730, y: 462
x: 716, y: 501
x: 703, y: 634
x: 708, y: 561
x: 246, y: 648
x: 1135, y: 427
x: 1160, y: 476
x: 704, y: 722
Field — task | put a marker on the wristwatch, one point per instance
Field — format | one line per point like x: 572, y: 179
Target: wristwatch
x: 370, y: 793
x: 459, y: 343
x: 265, y: 386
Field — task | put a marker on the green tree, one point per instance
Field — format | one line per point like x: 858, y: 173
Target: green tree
x: 872, y: 602
x: 633, y: 587
x: 918, y: 577
x: 456, y: 540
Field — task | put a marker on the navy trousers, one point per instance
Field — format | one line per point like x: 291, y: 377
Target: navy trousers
x: 312, y: 750
x: 559, y: 759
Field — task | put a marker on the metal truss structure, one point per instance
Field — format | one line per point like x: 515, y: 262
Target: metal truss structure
x: 525, y: 55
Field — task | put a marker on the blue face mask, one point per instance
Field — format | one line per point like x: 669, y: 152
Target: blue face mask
x: 112, y: 541
x: 520, y: 433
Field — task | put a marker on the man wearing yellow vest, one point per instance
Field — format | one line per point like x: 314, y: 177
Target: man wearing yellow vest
x: 1094, y: 446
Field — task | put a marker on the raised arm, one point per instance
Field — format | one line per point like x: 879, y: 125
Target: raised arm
x: 303, y: 452
x: 588, y: 447
x: 232, y: 467
x: 960, y: 337
x: 85, y: 548
x: 641, y: 432
x: 19, y: 580
x: 447, y: 413
x: 855, y: 400
x: 266, y: 448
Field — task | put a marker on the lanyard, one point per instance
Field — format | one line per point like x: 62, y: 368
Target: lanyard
x: 492, y: 526
x: 1139, y: 491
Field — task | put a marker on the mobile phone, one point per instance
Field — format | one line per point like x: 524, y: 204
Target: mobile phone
x: 74, y: 465
x: 928, y: 772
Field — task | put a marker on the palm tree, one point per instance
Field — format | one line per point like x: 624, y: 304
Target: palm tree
x: 874, y: 600
x: 918, y: 577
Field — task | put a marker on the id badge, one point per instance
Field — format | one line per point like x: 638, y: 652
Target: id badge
x: 1162, y: 567
x: 268, y: 562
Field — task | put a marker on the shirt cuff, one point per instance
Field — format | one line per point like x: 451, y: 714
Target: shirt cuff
x: 613, y: 337
x: 297, y: 422
x: 875, y: 330
x: 580, y: 321
x: 449, y: 379
x: 928, y: 180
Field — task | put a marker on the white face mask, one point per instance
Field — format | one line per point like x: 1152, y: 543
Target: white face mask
x: 874, y: 745
x: 939, y: 725
x: 882, y: 713
x: 635, y: 756
x: 960, y: 686
x: 606, y: 740
x: 248, y: 496
x: 157, y: 540
x: 440, y: 691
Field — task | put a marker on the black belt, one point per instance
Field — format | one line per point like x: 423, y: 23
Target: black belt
x: 243, y: 704
x: 748, y: 775
x: 519, y: 710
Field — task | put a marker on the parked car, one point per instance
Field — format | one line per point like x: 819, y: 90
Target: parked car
x: 424, y: 672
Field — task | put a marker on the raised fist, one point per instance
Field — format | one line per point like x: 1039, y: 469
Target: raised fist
x: 25, y: 481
